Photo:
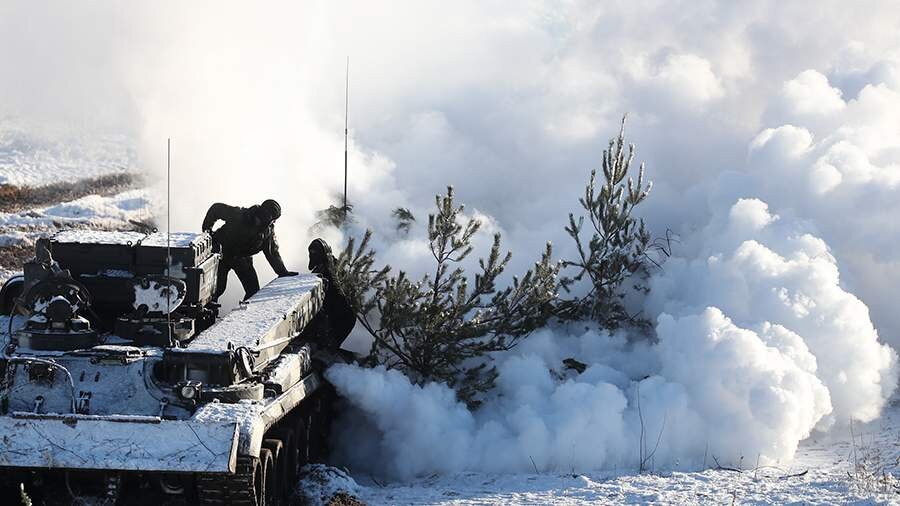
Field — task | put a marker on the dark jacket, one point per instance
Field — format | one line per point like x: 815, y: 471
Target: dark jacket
x: 336, y: 310
x: 242, y: 235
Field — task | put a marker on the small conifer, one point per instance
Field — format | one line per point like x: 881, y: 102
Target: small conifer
x: 442, y: 326
x: 614, y: 247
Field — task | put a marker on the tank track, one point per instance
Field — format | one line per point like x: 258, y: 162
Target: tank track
x: 237, y: 488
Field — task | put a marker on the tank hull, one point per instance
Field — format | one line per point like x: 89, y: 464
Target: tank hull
x: 211, y: 417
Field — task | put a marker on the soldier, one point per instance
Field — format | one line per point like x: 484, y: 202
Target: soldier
x: 246, y: 232
x: 337, y: 317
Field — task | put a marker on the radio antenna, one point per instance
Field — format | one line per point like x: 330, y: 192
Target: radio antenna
x: 346, y: 129
x: 169, y: 237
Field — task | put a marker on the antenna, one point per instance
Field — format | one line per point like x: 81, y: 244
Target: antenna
x: 169, y: 236
x: 346, y: 124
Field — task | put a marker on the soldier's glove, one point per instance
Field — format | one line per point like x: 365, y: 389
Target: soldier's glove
x: 288, y: 273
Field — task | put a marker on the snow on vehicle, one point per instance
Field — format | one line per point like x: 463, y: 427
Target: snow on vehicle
x: 121, y: 377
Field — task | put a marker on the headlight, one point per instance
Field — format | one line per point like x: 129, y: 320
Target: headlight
x: 189, y: 390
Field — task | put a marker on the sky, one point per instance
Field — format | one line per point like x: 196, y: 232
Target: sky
x: 771, y: 131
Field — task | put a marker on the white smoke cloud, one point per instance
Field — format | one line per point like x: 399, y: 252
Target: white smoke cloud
x: 762, y: 270
x: 758, y: 345
x: 837, y: 167
x: 770, y: 129
x: 811, y: 94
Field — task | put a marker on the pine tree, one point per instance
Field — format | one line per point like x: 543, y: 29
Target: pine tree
x: 405, y: 219
x: 617, y: 244
x: 355, y: 274
x: 441, y: 327
x: 333, y: 216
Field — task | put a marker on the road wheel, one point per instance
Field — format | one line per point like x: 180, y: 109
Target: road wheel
x: 320, y: 427
x: 302, y: 432
x: 268, y: 478
x: 289, y: 440
x: 278, y: 456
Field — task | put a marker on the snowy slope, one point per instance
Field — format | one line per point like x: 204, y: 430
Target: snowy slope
x: 33, y: 157
x: 92, y: 211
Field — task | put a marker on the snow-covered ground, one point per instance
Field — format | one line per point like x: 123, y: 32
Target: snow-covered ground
x: 827, y: 470
x: 92, y: 211
x: 31, y: 156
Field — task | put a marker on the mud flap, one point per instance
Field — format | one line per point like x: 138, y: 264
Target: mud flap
x: 83, y: 443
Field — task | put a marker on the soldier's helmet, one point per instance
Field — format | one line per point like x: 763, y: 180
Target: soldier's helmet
x: 270, y: 210
x: 319, y: 256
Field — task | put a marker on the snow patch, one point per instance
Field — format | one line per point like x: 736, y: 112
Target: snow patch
x: 38, y: 156
x: 319, y: 484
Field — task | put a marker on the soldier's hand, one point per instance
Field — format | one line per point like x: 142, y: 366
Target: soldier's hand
x: 289, y: 273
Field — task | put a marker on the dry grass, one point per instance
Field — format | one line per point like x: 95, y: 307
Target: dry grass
x: 17, y: 198
x: 874, y: 472
x: 13, y: 257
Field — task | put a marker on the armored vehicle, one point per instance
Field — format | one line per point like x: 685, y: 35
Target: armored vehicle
x: 119, y: 378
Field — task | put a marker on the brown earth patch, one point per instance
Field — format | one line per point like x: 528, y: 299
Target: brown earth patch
x: 345, y: 499
x: 12, y: 257
x: 16, y: 198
